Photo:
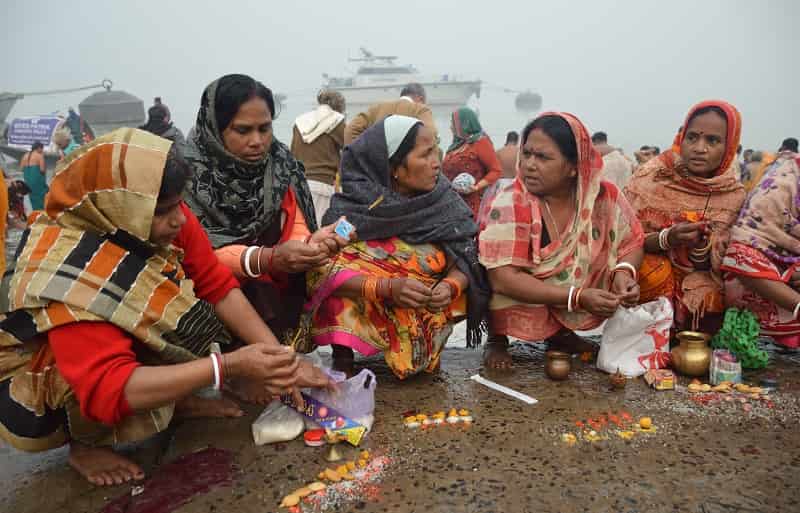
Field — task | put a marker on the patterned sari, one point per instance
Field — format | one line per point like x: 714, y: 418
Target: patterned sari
x: 603, y: 231
x: 87, y: 258
x: 411, y: 340
x: 765, y: 244
x: 663, y: 193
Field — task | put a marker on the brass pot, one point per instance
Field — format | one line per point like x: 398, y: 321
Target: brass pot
x: 693, y: 356
x: 558, y: 365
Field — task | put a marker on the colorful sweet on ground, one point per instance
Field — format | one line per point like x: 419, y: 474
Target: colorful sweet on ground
x: 645, y: 423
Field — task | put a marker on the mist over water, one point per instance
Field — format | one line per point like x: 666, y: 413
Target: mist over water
x: 629, y: 68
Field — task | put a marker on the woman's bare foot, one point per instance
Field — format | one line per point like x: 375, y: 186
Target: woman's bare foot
x: 496, y: 355
x: 103, y: 467
x: 344, y: 360
x: 193, y: 407
x: 568, y: 342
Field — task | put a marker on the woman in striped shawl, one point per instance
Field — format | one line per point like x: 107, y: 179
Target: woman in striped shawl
x: 103, y: 335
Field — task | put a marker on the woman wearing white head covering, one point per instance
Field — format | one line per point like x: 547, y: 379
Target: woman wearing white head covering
x: 415, y: 270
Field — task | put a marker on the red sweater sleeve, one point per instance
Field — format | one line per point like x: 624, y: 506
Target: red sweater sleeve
x: 212, y: 280
x: 96, y: 359
x: 488, y: 158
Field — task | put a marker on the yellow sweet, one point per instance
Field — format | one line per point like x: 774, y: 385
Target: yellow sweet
x: 722, y: 389
x: 342, y: 469
x: 694, y: 387
x: 362, y: 463
x: 756, y: 390
x: 347, y: 476
x: 290, y: 500
x: 422, y: 417
x: 452, y: 413
x: 568, y: 438
x: 705, y: 387
x: 302, y: 492
x: 410, y: 420
x: 645, y: 423
x: 321, y: 475
x: 741, y: 387
x: 438, y: 415
x: 316, y: 486
x: 351, y: 465
x: 364, y: 455
x: 332, y: 475
x: 462, y: 412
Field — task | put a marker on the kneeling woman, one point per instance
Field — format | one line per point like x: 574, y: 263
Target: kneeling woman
x: 687, y: 198
x: 401, y: 289
x: 763, y: 258
x: 561, y: 246
x: 103, y: 337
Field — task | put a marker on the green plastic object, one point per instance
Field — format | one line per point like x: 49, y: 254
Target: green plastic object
x: 739, y: 335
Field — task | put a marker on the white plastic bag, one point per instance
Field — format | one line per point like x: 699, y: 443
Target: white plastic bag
x: 637, y: 339
x: 278, y: 423
x: 355, y: 397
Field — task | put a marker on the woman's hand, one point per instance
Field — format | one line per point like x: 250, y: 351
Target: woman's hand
x: 441, y: 296
x: 601, y: 303
x: 626, y: 289
x: 295, y: 256
x: 687, y: 234
x: 311, y: 376
x: 268, y: 371
x: 327, y: 238
x: 410, y: 293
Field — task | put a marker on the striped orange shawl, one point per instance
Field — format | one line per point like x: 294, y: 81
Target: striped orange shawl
x: 88, y: 259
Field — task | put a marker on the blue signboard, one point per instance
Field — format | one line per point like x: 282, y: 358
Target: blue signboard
x: 25, y: 131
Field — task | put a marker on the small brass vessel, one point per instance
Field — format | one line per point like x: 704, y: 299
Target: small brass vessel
x: 693, y: 356
x: 558, y: 365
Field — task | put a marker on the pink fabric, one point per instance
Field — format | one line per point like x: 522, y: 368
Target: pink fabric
x: 339, y: 338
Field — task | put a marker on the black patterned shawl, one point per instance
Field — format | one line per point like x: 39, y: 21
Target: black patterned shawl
x: 236, y: 200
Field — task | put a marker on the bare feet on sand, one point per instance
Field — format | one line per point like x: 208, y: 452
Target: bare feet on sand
x: 568, y: 342
x: 344, y: 360
x: 103, y: 467
x: 193, y: 407
x: 495, y: 354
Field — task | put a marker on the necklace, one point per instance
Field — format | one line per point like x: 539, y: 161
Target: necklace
x: 552, y: 217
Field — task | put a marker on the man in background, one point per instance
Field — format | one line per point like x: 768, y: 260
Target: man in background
x: 411, y: 103
x: 507, y: 155
x: 616, y: 168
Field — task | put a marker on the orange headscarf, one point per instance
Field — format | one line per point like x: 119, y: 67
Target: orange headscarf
x: 732, y: 136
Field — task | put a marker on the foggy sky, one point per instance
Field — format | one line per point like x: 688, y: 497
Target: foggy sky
x: 630, y: 68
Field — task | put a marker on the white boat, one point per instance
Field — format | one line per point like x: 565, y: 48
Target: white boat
x: 379, y: 79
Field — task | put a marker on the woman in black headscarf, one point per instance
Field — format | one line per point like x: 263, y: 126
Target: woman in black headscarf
x: 250, y: 195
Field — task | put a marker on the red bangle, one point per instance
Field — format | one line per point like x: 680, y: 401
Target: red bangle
x: 578, y: 298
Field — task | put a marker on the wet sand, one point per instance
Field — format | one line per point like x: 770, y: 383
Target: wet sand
x: 701, y: 458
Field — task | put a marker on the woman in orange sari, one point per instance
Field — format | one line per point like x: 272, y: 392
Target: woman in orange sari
x: 687, y: 199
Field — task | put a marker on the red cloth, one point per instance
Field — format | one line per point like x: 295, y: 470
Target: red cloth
x: 97, y: 358
x: 212, y: 280
x: 477, y: 159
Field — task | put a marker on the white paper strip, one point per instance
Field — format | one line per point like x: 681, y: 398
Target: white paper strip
x: 505, y: 390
